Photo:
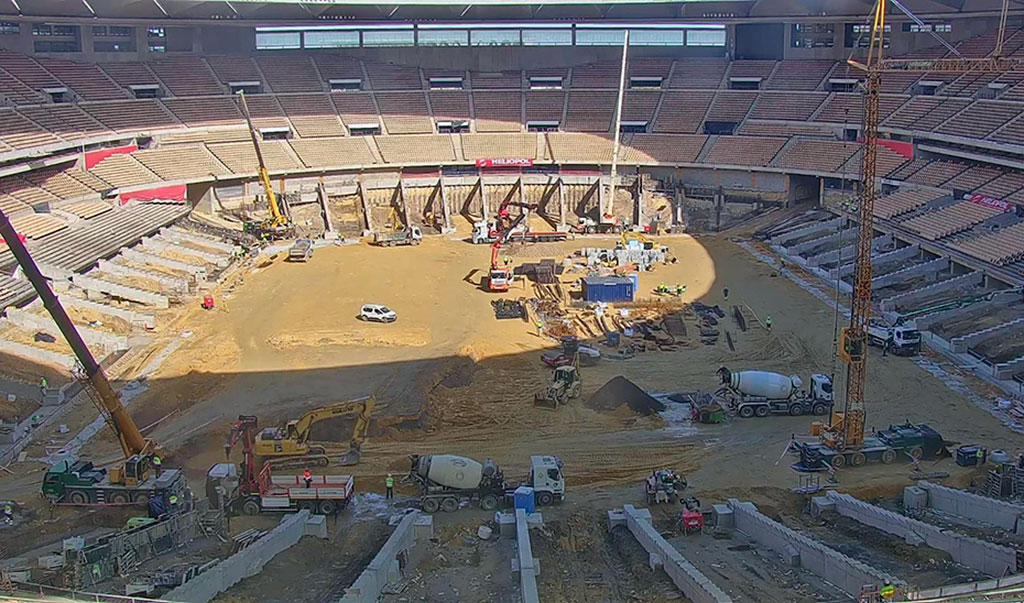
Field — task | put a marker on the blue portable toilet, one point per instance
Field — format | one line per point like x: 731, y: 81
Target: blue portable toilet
x: 523, y: 499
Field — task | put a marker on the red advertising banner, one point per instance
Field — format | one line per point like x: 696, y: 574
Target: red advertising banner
x: 163, y: 193
x: 987, y: 201
x: 505, y: 162
x: 94, y: 157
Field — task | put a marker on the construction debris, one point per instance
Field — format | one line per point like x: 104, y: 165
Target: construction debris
x: 508, y: 309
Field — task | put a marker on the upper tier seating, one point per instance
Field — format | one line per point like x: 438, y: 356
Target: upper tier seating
x: 496, y: 79
x: 240, y: 157
x: 980, y: 119
x: 388, y: 76
x: 186, y: 76
x: 289, y: 73
x: 936, y: 173
x: 324, y: 152
x: 483, y: 146
x: 312, y: 115
x: 925, y: 113
x: 817, y: 155
x: 205, y: 112
x: 683, y: 112
x: 737, y: 150
x: 449, y: 104
x: 589, y: 111
x: 355, y: 108
x: 1002, y: 247
x: 799, y: 75
x: 498, y: 111
x: 429, y: 148
x: 699, y: 73
x: 85, y: 79
x: 130, y: 74
x: 132, y: 115
x: 123, y: 171
x: 181, y: 163
x: 596, y: 75
x: 232, y: 68
x: 791, y: 106
x: 659, y: 148
x: 637, y: 105
x: 545, y: 105
x: 404, y: 112
x: 901, y: 202
x: 68, y: 121
x: 848, y: 108
x: 731, y: 105
x: 337, y: 67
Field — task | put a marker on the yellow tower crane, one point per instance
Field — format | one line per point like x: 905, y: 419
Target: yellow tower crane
x: 846, y: 434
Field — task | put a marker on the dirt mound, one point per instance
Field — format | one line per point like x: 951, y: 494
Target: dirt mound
x: 619, y: 391
x: 413, y: 337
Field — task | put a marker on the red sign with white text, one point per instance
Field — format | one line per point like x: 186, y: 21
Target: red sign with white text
x: 505, y: 162
x: 987, y: 201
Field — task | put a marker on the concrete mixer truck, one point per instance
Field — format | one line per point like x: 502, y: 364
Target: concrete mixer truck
x: 762, y: 393
x: 448, y: 480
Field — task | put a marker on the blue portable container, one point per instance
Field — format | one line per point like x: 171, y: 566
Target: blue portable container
x: 608, y: 289
x: 524, y: 499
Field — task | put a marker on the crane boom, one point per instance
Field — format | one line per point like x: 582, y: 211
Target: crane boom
x: 97, y: 386
x: 277, y: 217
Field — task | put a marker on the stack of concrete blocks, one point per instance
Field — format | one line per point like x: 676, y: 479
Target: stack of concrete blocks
x: 135, y: 319
x: 168, y: 284
x: 898, y: 276
x: 178, y: 235
x: 1004, y: 514
x: 525, y: 563
x: 244, y: 564
x: 987, y: 557
x: 695, y: 585
x: 385, y: 568
x: 158, y: 244
x: 903, y: 300
x: 35, y: 322
x: 849, y: 575
x: 101, y: 288
x: 961, y: 344
x: 198, y: 273
x: 633, y: 254
x: 64, y: 361
x: 782, y: 242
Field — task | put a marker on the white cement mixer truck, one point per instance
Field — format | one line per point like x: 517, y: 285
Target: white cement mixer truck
x: 762, y: 393
x: 447, y: 480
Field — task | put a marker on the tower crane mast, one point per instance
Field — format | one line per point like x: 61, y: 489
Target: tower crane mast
x: 846, y: 435
x: 277, y: 224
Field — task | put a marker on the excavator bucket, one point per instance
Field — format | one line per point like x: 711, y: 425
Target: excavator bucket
x: 352, y: 456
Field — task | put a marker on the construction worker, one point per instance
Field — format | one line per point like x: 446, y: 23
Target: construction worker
x: 981, y: 456
x: 389, y: 487
x: 308, y: 478
x: 832, y: 479
x: 42, y: 385
x: 157, y: 464
x: 888, y: 591
x: 768, y: 324
x: 8, y: 514
x: 725, y: 293
x: 173, y: 500
x: 540, y: 328
x: 885, y: 346
x: 680, y: 289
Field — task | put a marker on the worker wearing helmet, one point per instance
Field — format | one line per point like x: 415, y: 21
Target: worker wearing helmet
x: 157, y: 464
x: 888, y: 591
x: 308, y: 478
x: 540, y: 327
x: 768, y: 324
x: 8, y: 514
x: 389, y: 487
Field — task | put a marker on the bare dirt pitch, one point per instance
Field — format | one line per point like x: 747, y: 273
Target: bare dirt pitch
x: 284, y: 338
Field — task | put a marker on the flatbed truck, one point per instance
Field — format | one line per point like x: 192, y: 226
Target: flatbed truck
x: 326, y: 494
x: 81, y: 483
x: 407, y: 236
x: 908, y: 441
x: 300, y: 251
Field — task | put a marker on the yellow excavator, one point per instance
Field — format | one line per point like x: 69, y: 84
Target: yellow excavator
x: 293, y: 440
x: 278, y: 225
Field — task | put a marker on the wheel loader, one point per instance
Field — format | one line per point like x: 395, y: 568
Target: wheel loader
x: 566, y: 384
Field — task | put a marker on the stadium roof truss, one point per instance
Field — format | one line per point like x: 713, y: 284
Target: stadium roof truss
x: 277, y: 11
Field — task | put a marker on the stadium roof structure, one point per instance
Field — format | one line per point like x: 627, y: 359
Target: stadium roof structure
x: 277, y: 11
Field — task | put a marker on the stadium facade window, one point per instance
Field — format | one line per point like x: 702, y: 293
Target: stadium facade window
x: 278, y: 40
x: 111, y: 46
x: 57, y: 46
x: 495, y: 37
x: 401, y: 37
x: 157, y: 39
x: 705, y: 37
x: 113, y: 31
x: 656, y: 37
x: 600, y: 37
x: 330, y: 39
x: 813, y: 35
x: 859, y: 35
x: 443, y: 37
x: 9, y: 28
x: 547, y: 37
x: 927, y: 27
x: 155, y: 32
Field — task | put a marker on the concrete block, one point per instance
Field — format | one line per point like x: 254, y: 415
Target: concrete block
x: 177, y: 234
x: 381, y: 570
x: 1001, y: 513
x: 144, y: 321
x: 914, y: 497
x: 142, y: 257
x: 35, y: 322
x: 316, y: 525
x: 506, y: 524
x: 38, y: 354
x: 616, y: 518
x: 820, y: 504
x: 904, y: 301
x: 721, y: 516
x: 168, y: 284
x: 791, y: 556
x: 423, y: 527
x: 655, y: 561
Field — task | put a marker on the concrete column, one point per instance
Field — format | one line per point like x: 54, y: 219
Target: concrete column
x: 367, y: 214
x: 562, y: 205
x: 446, y: 212
x: 483, y: 197
x: 526, y: 564
x: 403, y: 204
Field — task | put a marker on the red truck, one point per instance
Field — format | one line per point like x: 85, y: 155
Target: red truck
x: 325, y: 494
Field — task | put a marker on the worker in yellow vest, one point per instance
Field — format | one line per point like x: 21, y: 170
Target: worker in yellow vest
x: 389, y: 487
x: 888, y: 591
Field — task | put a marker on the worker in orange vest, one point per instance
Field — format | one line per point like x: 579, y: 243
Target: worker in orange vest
x: 307, y: 477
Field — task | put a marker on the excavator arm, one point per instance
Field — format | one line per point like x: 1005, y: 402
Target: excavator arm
x: 364, y: 406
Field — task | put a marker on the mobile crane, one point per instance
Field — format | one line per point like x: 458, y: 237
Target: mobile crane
x: 292, y: 442
x: 277, y: 225
x: 80, y: 482
x: 843, y: 441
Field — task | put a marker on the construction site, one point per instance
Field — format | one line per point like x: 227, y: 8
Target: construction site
x: 335, y: 357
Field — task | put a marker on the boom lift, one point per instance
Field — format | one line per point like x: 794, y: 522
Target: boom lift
x: 500, y: 276
x: 293, y: 440
x: 277, y: 225
x: 843, y: 441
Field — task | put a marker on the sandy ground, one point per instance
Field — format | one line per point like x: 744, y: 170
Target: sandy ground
x: 284, y: 338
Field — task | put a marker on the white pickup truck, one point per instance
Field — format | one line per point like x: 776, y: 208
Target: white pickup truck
x: 900, y: 340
